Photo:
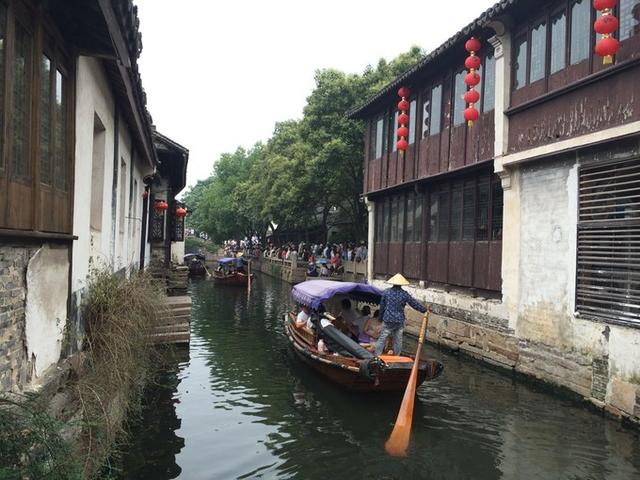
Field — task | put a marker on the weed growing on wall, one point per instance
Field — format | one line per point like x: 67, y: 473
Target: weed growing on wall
x: 119, y: 314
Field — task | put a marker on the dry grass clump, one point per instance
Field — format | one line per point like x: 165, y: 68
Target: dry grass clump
x: 118, y: 314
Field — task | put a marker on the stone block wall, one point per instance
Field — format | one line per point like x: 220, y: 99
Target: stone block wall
x: 15, y: 368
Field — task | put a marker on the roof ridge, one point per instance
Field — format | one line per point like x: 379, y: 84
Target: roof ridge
x: 497, y: 9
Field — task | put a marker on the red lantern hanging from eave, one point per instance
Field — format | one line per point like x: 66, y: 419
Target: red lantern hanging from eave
x: 161, y: 205
x: 606, y: 25
x: 472, y: 64
x: 471, y: 115
x: 181, y: 212
x: 403, y: 119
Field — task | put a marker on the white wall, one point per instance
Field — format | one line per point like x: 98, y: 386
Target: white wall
x: 177, y: 252
x: 95, y: 248
x: 547, y: 280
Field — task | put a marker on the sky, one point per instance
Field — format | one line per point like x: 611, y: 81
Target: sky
x: 220, y: 74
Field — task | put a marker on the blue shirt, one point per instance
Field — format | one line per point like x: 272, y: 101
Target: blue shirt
x: 392, y: 305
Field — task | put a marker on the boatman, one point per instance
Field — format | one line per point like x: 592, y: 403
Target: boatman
x: 392, y: 306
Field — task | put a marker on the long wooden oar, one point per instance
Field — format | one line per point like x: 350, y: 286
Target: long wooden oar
x: 398, y: 442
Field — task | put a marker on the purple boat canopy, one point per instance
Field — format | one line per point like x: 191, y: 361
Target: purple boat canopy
x: 232, y: 261
x: 313, y: 292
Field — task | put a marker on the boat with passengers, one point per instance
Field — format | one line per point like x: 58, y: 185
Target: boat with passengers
x: 233, y: 271
x: 322, y: 344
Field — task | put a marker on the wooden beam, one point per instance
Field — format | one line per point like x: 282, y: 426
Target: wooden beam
x: 141, y: 125
x: 115, y: 32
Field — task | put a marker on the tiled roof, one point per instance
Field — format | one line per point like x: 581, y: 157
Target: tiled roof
x: 480, y: 22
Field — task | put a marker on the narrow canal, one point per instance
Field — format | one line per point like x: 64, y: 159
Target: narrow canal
x: 240, y: 406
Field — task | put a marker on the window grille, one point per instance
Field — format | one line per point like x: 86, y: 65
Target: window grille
x: 608, y: 263
x: 156, y: 225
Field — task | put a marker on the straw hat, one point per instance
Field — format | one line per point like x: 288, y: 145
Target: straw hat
x: 398, y: 279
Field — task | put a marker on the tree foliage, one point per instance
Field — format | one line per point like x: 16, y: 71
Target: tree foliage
x: 308, y: 174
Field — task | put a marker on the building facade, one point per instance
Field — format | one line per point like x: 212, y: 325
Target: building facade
x: 77, y: 163
x: 524, y: 230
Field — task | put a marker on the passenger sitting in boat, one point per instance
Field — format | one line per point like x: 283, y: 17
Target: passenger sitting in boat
x: 322, y: 347
x: 353, y: 320
x: 371, y: 329
x: 304, y: 317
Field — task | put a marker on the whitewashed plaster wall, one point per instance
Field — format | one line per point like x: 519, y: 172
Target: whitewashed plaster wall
x: 546, y: 311
x: 46, y: 306
x: 95, y: 248
x: 93, y: 99
x: 177, y: 252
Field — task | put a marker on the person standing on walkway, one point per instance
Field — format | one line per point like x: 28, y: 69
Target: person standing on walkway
x: 392, y: 306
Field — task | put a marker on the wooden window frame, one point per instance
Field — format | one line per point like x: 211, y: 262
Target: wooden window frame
x: 570, y: 73
x: 45, y: 208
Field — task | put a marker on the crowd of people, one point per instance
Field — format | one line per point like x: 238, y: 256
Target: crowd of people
x: 323, y: 260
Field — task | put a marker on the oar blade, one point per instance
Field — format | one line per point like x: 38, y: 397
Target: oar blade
x: 398, y: 441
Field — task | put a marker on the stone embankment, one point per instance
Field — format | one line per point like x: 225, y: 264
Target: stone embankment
x: 296, y: 272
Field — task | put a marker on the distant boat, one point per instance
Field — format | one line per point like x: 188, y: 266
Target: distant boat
x: 349, y: 364
x: 196, y: 264
x: 232, y: 271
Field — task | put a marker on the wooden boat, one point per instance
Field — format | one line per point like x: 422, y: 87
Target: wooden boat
x: 196, y: 264
x: 351, y: 366
x: 232, y: 271
x: 236, y: 279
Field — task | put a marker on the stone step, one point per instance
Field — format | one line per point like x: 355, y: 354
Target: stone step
x: 166, y: 338
x: 179, y: 310
x: 184, y: 299
x: 175, y: 328
x: 173, y: 321
x: 176, y: 313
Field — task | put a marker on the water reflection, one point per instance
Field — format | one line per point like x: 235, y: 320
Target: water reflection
x: 155, y: 444
x: 246, y: 408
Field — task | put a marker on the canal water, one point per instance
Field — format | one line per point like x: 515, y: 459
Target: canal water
x: 239, y: 406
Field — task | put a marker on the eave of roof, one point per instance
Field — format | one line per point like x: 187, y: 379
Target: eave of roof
x: 173, y: 152
x: 480, y: 22
x: 163, y: 139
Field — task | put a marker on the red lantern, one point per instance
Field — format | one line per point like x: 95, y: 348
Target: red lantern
x: 181, y: 212
x: 402, y: 145
x: 472, y: 96
x: 472, y: 62
x: 606, y: 24
x: 472, y: 45
x: 472, y: 79
x: 403, y: 132
x: 404, y: 92
x: 607, y: 47
x: 603, y: 4
x: 403, y: 105
x: 471, y: 115
x: 403, y: 119
x: 161, y: 205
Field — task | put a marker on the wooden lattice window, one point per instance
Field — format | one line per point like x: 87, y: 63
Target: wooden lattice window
x: 608, y: 264
x: 156, y: 225
x: 177, y: 230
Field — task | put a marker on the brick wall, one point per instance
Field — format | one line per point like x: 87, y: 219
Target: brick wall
x: 15, y: 369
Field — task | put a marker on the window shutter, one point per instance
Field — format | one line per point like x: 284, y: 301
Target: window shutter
x: 608, y: 270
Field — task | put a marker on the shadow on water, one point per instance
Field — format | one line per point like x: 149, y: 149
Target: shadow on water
x: 244, y: 407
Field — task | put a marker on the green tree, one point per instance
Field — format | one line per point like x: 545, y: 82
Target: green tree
x: 309, y: 171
